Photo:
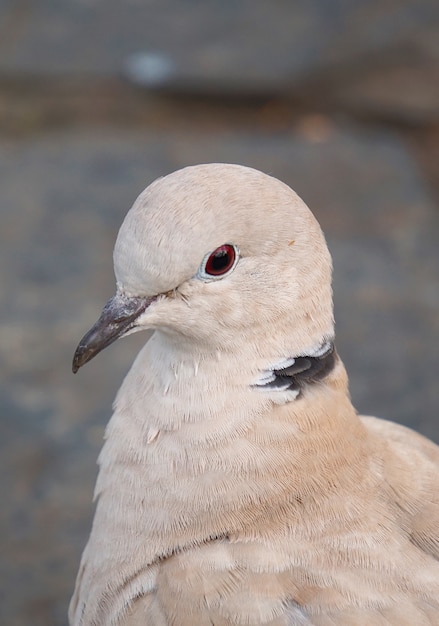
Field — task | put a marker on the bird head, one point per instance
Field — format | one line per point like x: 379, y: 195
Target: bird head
x: 215, y: 255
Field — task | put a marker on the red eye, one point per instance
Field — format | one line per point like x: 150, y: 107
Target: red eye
x: 221, y: 260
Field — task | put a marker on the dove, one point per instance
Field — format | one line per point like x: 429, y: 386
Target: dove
x: 237, y: 483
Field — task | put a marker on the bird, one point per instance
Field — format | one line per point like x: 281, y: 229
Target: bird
x: 237, y: 483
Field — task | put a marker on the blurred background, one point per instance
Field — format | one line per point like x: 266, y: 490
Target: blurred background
x: 339, y: 99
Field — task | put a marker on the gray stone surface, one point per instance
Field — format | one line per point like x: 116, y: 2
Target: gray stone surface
x: 63, y: 199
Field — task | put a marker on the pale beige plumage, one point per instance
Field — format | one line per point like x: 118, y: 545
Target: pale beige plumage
x: 222, y: 500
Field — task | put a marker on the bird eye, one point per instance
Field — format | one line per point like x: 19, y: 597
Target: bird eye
x: 219, y: 262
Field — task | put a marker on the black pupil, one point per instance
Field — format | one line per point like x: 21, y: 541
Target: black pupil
x: 220, y: 261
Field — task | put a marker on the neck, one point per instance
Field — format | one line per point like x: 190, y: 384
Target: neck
x: 200, y: 440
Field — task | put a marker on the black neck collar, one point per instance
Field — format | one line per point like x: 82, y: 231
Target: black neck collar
x: 301, y: 371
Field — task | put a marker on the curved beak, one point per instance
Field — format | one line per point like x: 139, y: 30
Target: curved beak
x: 117, y: 319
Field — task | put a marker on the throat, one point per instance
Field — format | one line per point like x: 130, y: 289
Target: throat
x: 168, y: 388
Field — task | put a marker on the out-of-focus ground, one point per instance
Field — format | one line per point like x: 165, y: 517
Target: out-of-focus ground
x: 339, y: 99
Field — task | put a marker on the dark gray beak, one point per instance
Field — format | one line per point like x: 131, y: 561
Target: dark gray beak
x: 118, y: 317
